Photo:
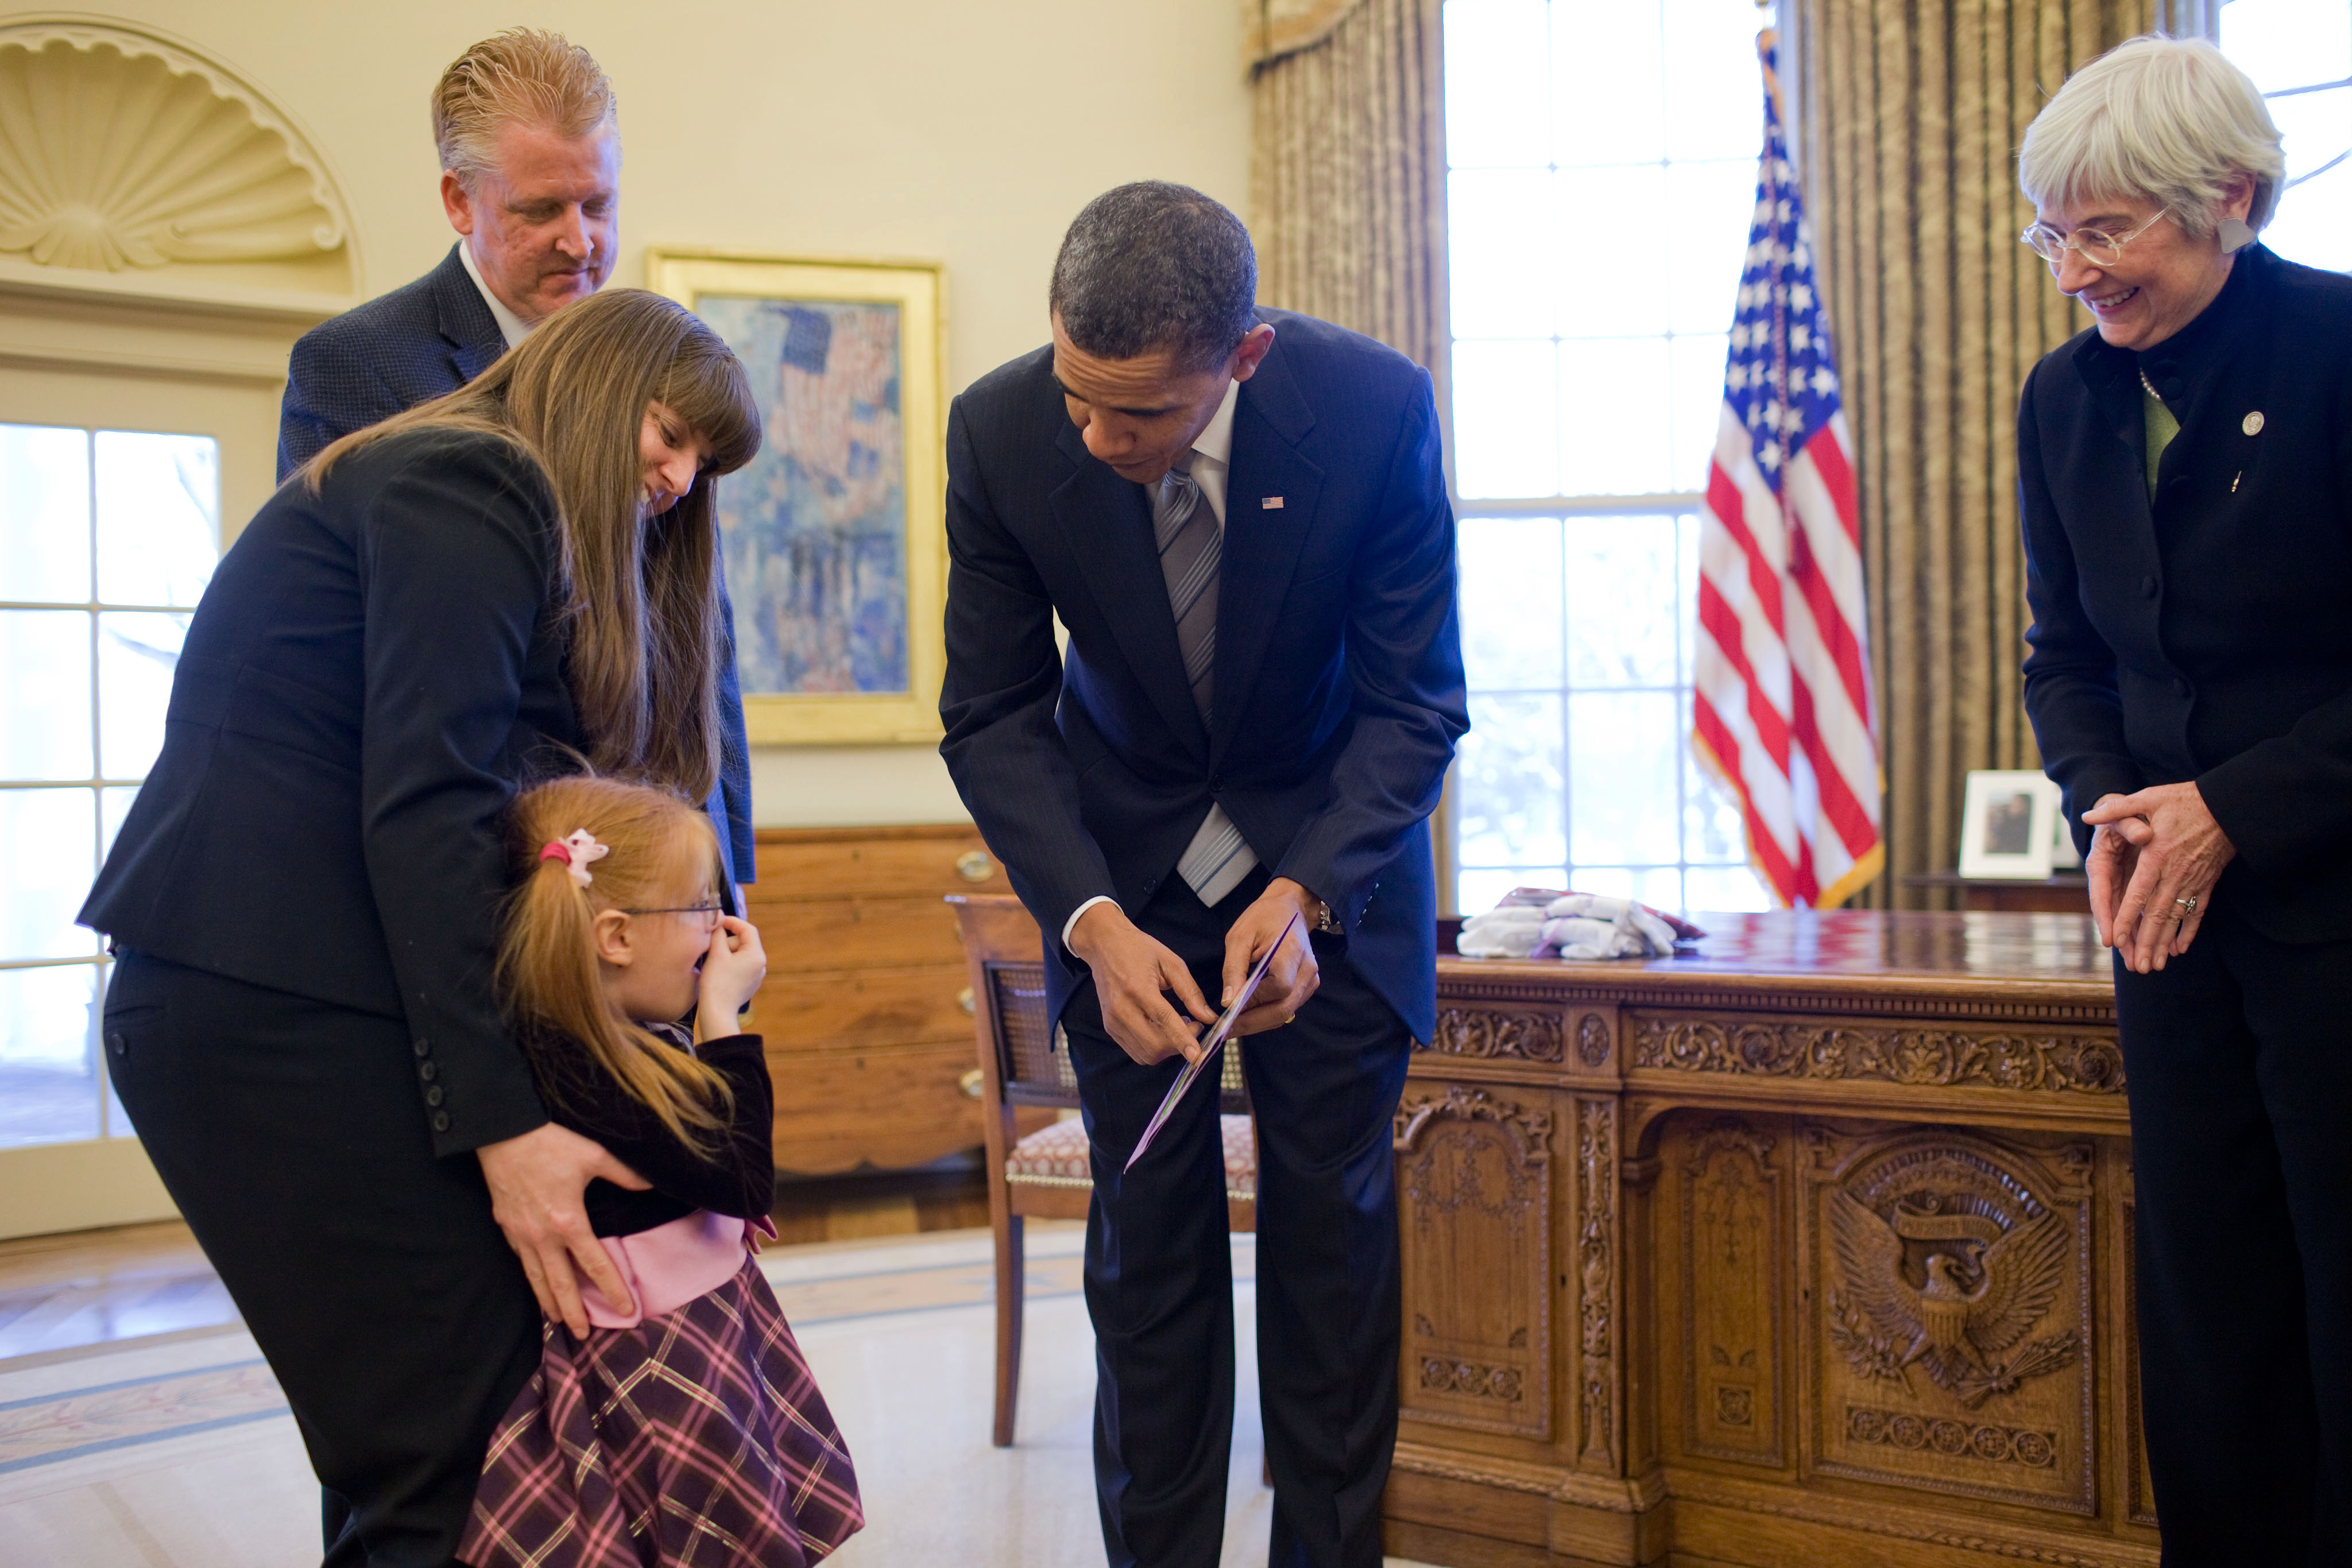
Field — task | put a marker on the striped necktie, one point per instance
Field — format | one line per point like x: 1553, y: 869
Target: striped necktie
x: 1192, y: 545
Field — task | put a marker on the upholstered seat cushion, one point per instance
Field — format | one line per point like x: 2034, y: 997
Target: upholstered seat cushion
x: 1057, y: 1156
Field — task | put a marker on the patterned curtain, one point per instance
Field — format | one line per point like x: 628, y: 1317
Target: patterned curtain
x: 1348, y: 167
x: 1909, y: 114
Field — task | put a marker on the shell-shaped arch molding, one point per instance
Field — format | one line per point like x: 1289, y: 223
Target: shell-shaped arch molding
x: 122, y: 151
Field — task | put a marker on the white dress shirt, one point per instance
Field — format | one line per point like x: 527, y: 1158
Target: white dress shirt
x: 511, y: 326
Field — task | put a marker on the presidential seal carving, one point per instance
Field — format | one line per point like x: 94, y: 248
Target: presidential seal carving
x: 1954, y: 1282
x: 1982, y: 1288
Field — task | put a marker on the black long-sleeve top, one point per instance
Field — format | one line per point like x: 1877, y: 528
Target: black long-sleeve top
x: 736, y: 1177
x: 2204, y: 635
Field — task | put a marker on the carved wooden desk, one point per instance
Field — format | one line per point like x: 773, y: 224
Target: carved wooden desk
x: 1814, y: 1249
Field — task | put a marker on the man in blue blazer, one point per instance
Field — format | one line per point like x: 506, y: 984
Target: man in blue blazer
x: 1241, y: 517
x: 530, y: 139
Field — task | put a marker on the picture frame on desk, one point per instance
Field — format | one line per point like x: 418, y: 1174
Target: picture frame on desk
x: 835, y: 535
x: 2009, y: 824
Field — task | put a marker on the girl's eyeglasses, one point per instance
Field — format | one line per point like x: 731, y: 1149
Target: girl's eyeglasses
x: 706, y: 914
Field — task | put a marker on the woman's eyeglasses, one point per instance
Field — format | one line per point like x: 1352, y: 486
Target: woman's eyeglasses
x: 706, y: 914
x: 2099, y: 248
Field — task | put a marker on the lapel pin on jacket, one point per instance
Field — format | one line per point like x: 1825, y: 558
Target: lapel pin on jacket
x: 1269, y: 504
x: 2253, y: 424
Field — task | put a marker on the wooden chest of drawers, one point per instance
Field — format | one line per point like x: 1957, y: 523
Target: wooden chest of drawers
x: 865, y: 1013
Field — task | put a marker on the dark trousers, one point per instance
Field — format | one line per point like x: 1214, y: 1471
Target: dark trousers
x: 2239, y: 1056
x: 1158, y: 1272
x: 291, y: 1135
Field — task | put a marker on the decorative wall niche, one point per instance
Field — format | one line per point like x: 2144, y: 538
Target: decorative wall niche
x: 131, y: 165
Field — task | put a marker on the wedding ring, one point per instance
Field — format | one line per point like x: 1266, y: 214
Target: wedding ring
x: 2189, y: 904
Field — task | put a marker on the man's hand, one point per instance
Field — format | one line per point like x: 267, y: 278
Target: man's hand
x: 1133, y: 977
x: 536, y: 1182
x: 2178, y: 854
x: 1293, y: 977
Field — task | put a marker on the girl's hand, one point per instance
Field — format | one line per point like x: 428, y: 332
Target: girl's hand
x: 731, y: 972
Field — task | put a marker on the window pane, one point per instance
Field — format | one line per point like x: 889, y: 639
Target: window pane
x: 1506, y: 419
x: 1510, y: 782
x: 1697, y: 366
x: 113, y: 805
x: 44, y: 701
x: 1715, y: 93
x: 1495, y: 100
x: 1480, y: 889
x: 1622, y: 614
x: 1606, y: 72
x: 44, y: 514
x: 1734, y: 888
x: 1709, y: 209
x: 158, y: 516
x: 1611, y: 285
x: 2287, y: 44
x: 1660, y: 887
x: 136, y: 655
x: 49, y: 840
x: 1505, y: 253
x: 1511, y: 618
x: 48, y: 1092
x: 2313, y: 225
x: 1615, y: 436
x: 1623, y: 759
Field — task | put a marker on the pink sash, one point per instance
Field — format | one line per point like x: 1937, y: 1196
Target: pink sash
x: 670, y: 1265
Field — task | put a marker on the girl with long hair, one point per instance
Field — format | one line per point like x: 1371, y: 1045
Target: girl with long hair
x: 302, y: 1022
x: 689, y: 1415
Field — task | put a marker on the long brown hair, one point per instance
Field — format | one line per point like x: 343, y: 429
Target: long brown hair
x: 547, y: 968
x: 641, y: 595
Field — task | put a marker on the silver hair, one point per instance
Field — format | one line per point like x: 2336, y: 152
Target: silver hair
x: 2170, y: 120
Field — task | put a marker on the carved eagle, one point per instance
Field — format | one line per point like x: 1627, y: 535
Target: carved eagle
x: 1952, y: 1330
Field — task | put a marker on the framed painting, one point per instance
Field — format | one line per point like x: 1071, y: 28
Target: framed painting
x: 835, y: 535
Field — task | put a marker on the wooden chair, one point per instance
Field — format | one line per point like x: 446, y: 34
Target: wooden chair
x: 1038, y: 1166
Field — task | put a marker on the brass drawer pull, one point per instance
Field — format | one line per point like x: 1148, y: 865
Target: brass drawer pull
x: 964, y: 1000
x: 969, y: 1083
x: 973, y: 865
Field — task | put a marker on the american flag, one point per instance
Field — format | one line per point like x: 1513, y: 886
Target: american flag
x: 1783, y: 710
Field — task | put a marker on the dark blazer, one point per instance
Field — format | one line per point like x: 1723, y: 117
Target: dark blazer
x: 2206, y: 636
x: 425, y: 339
x: 371, y: 673
x: 1338, y: 663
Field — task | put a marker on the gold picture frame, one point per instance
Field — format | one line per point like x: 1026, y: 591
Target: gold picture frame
x: 828, y: 561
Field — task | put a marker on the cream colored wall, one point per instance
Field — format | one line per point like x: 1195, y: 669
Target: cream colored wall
x: 967, y: 132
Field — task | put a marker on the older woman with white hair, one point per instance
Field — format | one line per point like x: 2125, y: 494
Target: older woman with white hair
x: 2185, y: 468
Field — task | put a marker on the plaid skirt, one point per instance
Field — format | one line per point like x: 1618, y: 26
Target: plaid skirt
x: 695, y: 1439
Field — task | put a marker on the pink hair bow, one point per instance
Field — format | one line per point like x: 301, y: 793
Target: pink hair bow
x: 577, y: 852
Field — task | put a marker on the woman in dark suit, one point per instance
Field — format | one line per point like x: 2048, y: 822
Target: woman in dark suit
x: 2186, y: 474
x: 302, y: 899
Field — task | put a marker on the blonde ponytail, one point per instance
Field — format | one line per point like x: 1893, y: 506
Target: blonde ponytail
x: 546, y: 967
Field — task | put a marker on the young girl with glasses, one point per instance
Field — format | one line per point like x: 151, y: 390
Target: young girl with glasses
x: 688, y: 1416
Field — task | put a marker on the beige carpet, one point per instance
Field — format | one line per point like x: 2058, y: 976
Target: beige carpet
x: 175, y: 1451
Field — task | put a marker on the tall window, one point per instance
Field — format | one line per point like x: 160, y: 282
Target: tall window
x: 2299, y: 52
x: 107, y: 538
x: 1602, y: 178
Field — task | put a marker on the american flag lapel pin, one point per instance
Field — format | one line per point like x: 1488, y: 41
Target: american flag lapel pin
x: 1269, y: 504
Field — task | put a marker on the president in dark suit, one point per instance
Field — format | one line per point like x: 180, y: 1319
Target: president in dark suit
x: 1241, y: 517
x: 530, y: 141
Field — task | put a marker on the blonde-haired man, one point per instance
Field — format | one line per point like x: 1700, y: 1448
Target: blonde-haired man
x: 530, y: 173
x: 530, y: 139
